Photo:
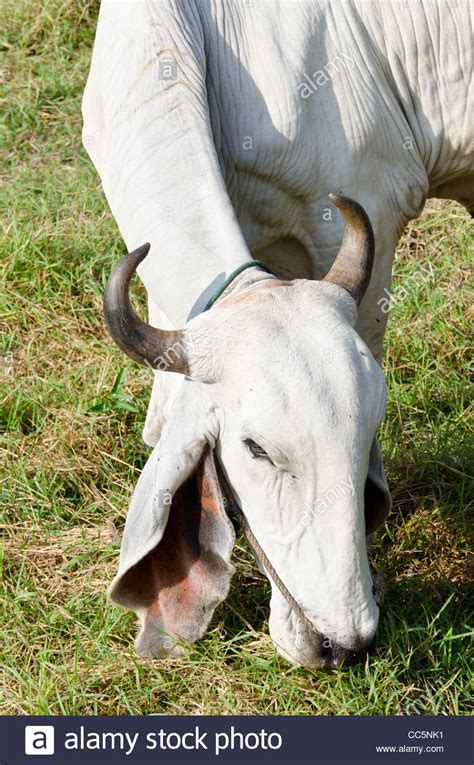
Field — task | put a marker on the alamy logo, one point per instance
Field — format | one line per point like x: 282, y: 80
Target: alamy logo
x: 39, y: 739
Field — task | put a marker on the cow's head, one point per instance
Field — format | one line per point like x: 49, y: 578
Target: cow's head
x: 282, y: 389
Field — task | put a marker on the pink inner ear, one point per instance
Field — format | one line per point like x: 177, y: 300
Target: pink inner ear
x: 181, y: 581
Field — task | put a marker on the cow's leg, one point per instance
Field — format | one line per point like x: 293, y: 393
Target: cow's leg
x: 388, y: 221
x: 374, y: 309
x: 165, y: 386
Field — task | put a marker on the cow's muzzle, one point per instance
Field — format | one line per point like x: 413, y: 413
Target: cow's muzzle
x: 330, y: 655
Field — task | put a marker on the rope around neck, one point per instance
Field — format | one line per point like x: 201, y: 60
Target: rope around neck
x: 232, y: 276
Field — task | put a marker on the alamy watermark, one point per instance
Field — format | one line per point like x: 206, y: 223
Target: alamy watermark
x: 401, y: 292
x: 311, y: 83
x: 325, y: 501
x: 173, y: 353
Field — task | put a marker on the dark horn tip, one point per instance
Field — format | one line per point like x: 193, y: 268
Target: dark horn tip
x: 121, y: 275
x: 139, y: 340
x: 354, y: 210
x: 352, y: 267
x: 119, y: 315
x: 346, y: 203
x: 338, y: 199
x: 139, y: 253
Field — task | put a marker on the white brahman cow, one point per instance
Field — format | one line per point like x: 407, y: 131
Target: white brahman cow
x: 218, y: 128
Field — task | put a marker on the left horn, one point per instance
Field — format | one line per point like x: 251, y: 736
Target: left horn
x: 157, y: 348
x: 352, y: 267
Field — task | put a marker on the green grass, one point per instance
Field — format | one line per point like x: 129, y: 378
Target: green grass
x: 73, y: 410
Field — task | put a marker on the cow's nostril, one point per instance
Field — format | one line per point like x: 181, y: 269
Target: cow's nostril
x: 326, y: 647
x: 327, y: 654
x: 332, y: 655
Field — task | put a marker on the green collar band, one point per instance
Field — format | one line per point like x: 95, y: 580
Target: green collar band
x: 231, y: 278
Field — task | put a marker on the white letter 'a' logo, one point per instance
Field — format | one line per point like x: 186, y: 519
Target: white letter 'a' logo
x: 39, y: 739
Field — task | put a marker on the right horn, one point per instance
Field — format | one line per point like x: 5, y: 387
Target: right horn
x: 352, y: 267
x: 157, y: 348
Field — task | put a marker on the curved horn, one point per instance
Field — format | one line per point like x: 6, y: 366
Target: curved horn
x: 353, y: 265
x: 162, y: 349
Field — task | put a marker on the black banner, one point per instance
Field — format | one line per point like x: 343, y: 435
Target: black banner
x: 164, y: 739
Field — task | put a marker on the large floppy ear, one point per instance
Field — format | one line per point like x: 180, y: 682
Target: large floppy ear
x: 175, y: 559
x: 378, y: 501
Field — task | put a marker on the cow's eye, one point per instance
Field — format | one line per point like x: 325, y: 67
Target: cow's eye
x: 257, y: 451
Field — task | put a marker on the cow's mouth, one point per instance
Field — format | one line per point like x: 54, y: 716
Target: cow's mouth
x: 334, y: 656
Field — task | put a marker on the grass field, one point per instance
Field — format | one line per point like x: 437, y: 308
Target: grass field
x: 73, y: 410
